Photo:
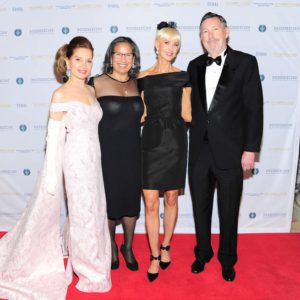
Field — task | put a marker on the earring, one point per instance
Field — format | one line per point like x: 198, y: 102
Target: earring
x: 68, y: 73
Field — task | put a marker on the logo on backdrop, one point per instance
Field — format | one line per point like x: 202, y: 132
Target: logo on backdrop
x: 278, y: 171
x: 19, y: 80
x: 240, y: 27
x: 41, y: 31
x: 66, y: 7
x: 114, y: 29
x: 162, y: 215
x: 261, y: 53
x: 113, y: 5
x: 284, y: 78
x: 212, y: 3
x: 17, y: 8
x: 85, y: 30
x: 6, y: 127
x: 262, y: 77
x: 65, y: 30
x: 255, y: 171
x: 21, y: 105
x: 286, y: 28
x: 18, y: 32
x: 252, y: 215
x: 40, y: 127
x: 285, y: 126
x: 262, y: 28
x: 274, y: 215
x: 26, y: 172
x: 4, y: 80
x: 23, y: 127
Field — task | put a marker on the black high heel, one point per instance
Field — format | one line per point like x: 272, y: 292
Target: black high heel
x: 165, y: 264
x: 115, y: 264
x: 133, y: 266
x: 153, y: 276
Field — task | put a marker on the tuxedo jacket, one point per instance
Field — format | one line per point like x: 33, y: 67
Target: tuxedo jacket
x: 234, y: 121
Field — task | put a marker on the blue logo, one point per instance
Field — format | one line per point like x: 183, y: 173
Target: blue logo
x: 65, y: 30
x: 19, y: 80
x: 252, y: 215
x: 255, y: 171
x: 262, y: 28
x: 162, y: 215
x: 18, y: 32
x: 262, y: 77
x: 26, y: 172
x: 113, y: 29
x: 23, y: 127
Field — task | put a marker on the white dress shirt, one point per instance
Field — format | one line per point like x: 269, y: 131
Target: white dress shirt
x: 212, y: 76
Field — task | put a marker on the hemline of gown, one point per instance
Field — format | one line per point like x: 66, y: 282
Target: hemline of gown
x: 124, y: 216
x: 163, y: 190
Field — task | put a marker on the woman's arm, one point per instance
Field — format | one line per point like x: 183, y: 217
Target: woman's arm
x: 186, y: 109
x: 145, y: 109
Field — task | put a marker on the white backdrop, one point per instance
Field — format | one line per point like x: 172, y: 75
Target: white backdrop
x: 32, y: 31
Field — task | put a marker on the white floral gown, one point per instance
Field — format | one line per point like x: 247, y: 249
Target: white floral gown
x: 31, y: 256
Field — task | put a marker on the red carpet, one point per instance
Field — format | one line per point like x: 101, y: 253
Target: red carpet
x: 268, y: 269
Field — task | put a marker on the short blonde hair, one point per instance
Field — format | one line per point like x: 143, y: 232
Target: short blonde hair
x: 168, y: 33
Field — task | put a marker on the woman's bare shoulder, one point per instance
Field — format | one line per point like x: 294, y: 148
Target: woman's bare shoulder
x: 58, y: 95
x: 145, y: 73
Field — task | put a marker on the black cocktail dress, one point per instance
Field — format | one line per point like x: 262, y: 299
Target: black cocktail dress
x: 164, y: 136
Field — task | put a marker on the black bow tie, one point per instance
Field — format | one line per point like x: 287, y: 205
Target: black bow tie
x: 210, y: 60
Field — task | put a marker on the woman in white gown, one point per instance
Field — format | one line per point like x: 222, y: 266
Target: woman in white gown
x: 31, y: 258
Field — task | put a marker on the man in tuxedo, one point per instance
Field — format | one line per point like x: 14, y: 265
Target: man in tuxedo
x: 225, y: 133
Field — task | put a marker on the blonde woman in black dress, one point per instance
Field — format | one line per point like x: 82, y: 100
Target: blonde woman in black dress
x: 166, y: 94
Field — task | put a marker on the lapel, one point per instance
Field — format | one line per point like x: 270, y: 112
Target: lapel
x: 224, y: 81
x: 201, y: 83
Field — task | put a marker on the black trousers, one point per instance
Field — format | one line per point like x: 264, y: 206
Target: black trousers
x: 204, y: 177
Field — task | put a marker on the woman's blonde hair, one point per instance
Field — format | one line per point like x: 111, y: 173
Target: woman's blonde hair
x: 168, y: 33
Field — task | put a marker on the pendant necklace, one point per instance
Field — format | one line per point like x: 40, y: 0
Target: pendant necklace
x: 124, y: 84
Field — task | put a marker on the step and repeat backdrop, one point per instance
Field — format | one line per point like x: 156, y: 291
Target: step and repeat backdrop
x: 32, y: 31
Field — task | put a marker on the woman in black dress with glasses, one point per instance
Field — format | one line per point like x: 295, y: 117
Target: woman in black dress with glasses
x: 119, y: 134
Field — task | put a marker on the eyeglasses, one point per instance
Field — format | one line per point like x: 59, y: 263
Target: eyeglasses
x: 119, y: 55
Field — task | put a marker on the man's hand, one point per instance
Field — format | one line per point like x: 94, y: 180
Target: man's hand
x: 248, y: 160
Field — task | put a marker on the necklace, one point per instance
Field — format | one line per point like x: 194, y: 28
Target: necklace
x: 123, y: 84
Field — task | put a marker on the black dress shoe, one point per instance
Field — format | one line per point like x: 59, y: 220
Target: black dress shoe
x: 228, y: 273
x: 153, y: 276
x: 133, y: 265
x: 198, y: 266
x: 164, y: 264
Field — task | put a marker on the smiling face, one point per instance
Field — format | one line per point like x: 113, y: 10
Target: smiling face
x: 122, y: 58
x: 167, y: 48
x: 213, y: 35
x: 80, y: 63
